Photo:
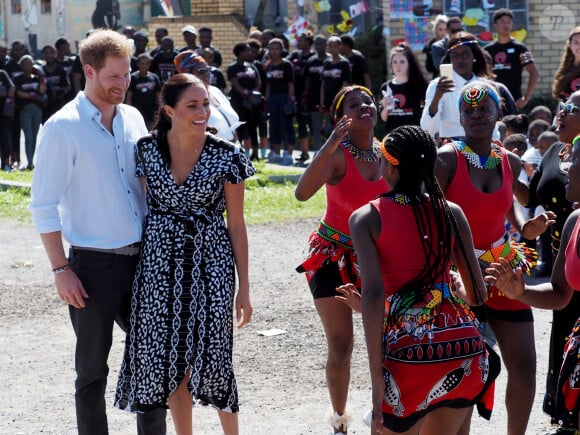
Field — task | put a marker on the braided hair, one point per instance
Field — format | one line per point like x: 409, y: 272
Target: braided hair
x: 171, y: 93
x: 414, y: 152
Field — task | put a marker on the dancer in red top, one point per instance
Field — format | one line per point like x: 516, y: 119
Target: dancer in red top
x: 348, y: 166
x: 405, y: 240
x: 482, y: 177
x: 558, y: 293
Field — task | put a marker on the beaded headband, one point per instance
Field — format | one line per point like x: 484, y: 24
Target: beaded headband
x: 459, y: 44
x: 345, y: 93
x: 475, y: 95
x: 390, y: 158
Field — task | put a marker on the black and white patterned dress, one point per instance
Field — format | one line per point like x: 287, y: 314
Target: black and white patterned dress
x: 181, y: 309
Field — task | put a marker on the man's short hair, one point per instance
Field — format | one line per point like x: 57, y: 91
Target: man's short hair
x: 102, y: 43
x: 205, y: 29
x: 453, y: 20
x: 239, y: 47
x: 502, y: 12
x: 347, y: 40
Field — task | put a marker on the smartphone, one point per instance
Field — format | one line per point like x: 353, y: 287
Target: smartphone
x: 446, y: 70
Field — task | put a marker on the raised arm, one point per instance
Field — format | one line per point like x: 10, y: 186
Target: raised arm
x: 327, y: 165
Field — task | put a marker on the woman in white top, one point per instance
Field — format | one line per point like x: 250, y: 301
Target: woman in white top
x: 441, y: 112
x: 223, y: 117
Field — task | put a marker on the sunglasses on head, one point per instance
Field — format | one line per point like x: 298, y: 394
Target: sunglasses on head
x: 568, y: 108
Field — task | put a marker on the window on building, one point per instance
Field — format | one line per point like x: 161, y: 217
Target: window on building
x: 16, y: 6
x: 45, y: 7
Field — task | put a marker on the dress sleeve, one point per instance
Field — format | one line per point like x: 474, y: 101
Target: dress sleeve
x: 139, y: 159
x: 241, y: 167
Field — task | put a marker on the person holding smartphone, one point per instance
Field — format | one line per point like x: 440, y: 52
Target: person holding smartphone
x: 441, y: 112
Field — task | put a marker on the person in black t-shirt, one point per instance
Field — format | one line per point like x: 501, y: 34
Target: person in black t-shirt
x: 245, y: 79
x: 162, y: 63
x: 144, y: 90
x: 5, y: 122
x: 217, y: 78
x: 299, y: 59
x: 30, y: 99
x: 359, y: 67
x: 56, y: 81
x: 313, y: 74
x: 279, y: 96
x: 335, y: 76
x: 510, y: 58
x: 65, y: 60
x: 404, y: 95
x: 205, y: 38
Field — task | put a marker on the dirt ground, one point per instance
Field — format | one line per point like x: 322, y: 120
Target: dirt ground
x: 281, y: 378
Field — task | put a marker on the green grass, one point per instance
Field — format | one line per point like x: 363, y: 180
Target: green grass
x: 13, y: 201
x: 265, y: 201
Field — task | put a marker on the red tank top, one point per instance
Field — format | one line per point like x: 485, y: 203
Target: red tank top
x: 352, y: 192
x: 485, y: 212
x: 572, y: 266
x: 399, y: 244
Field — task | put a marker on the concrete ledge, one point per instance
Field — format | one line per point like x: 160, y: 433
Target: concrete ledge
x: 7, y: 184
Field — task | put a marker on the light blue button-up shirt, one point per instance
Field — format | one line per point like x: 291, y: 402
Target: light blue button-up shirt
x: 84, y: 182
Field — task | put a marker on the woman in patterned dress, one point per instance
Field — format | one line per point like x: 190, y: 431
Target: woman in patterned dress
x: 179, y: 344
x: 415, y: 315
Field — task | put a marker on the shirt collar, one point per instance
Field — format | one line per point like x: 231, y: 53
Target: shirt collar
x: 86, y: 108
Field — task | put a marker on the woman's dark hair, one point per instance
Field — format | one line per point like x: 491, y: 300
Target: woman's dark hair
x: 480, y: 67
x: 337, y: 108
x: 171, y: 93
x: 416, y: 77
x: 415, y: 152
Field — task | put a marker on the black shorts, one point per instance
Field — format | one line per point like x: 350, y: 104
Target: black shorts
x: 325, y: 280
x: 484, y: 313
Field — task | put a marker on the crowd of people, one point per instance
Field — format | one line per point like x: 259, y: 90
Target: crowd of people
x: 464, y: 186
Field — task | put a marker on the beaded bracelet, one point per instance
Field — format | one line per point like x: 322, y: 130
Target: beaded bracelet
x: 61, y: 269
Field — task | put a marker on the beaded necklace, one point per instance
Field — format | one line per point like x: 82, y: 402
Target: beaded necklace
x: 371, y: 155
x: 481, y: 162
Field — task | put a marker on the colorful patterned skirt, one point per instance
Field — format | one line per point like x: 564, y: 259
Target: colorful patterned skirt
x: 434, y: 356
x: 328, y: 245
x: 517, y: 255
x: 569, y: 380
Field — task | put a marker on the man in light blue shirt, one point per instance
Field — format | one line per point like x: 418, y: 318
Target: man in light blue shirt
x: 84, y: 189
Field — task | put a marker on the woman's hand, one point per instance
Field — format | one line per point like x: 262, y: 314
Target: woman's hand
x: 444, y: 85
x: 511, y: 283
x: 244, y: 308
x: 338, y: 133
x: 536, y: 226
x: 351, y: 296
